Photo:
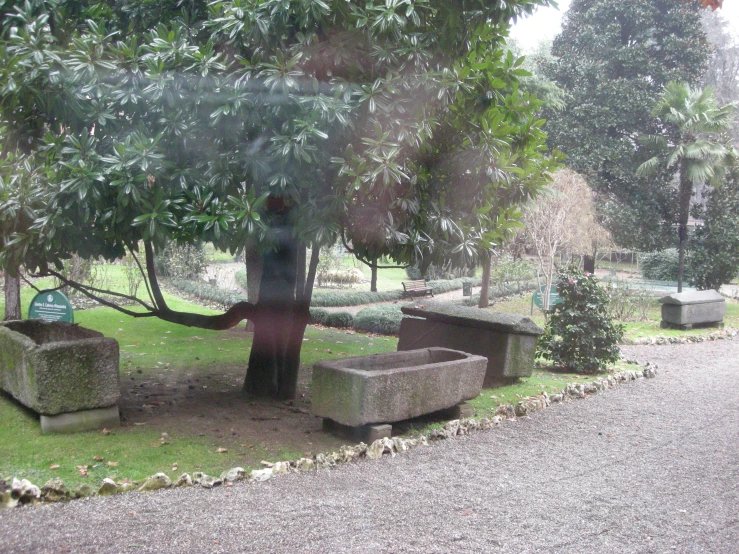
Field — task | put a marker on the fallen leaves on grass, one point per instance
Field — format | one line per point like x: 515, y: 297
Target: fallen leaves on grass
x: 106, y: 432
x: 54, y: 466
x: 112, y: 464
x: 222, y: 450
x: 98, y: 458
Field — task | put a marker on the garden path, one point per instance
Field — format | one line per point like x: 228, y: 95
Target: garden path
x: 649, y: 466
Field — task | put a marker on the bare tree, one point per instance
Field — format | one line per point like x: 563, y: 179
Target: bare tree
x: 562, y: 220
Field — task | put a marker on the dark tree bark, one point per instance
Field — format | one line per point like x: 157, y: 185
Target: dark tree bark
x: 686, y: 191
x: 487, y: 263
x: 588, y: 264
x: 373, y: 279
x: 253, y: 261
x: 12, y: 297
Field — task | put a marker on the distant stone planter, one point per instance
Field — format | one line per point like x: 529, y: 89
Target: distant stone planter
x: 508, y: 341
x: 66, y: 373
x: 385, y: 388
x: 685, y: 310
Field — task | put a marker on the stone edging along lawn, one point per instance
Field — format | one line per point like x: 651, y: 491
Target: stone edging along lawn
x: 22, y: 492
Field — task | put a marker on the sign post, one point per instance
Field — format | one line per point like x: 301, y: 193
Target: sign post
x: 537, y: 298
x: 51, y: 305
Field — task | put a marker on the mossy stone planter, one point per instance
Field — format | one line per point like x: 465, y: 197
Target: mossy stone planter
x: 385, y: 388
x: 66, y: 373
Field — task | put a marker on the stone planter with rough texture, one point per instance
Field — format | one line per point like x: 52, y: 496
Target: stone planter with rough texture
x: 384, y: 388
x: 686, y: 310
x: 508, y: 341
x: 66, y: 373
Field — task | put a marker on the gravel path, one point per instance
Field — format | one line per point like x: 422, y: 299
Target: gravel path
x: 649, y: 466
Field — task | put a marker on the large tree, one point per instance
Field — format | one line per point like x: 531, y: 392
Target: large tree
x: 285, y: 123
x: 612, y: 58
x: 687, y: 144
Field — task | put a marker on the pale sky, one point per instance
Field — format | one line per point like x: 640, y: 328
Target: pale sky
x: 546, y: 22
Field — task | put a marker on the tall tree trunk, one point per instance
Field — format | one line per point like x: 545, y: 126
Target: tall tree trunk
x: 301, y: 317
x: 373, y: 279
x: 12, y: 297
x: 253, y: 260
x: 275, y: 312
x: 686, y: 191
x: 485, y: 289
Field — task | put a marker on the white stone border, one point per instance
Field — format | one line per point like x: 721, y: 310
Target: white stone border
x: 22, y: 492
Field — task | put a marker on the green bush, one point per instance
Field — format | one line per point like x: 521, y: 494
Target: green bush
x: 580, y: 335
x: 662, y: 266
x: 383, y: 319
x: 183, y: 262
x: 435, y: 273
x: 339, y: 319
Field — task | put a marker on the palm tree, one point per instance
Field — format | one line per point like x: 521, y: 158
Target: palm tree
x: 689, y: 119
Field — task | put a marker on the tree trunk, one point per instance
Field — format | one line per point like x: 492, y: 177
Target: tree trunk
x: 288, y: 388
x: 686, y: 191
x: 485, y: 288
x: 12, y: 297
x: 275, y: 312
x: 373, y: 279
x: 253, y: 275
x: 588, y: 263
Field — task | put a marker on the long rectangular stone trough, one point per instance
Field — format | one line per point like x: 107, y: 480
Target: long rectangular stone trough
x: 66, y: 373
x: 391, y: 387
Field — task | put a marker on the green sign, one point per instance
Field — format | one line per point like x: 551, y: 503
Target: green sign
x: 554, y: 298
x: 51, y: 305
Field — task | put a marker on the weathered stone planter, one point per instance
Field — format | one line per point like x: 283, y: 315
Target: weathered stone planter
x: 66, y: 373
x: 508, y: 341
x: 686, y: 310
x: 385, y: 388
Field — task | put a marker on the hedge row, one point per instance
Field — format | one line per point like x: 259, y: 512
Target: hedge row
x: 323, y: 298
x: 222, y: 297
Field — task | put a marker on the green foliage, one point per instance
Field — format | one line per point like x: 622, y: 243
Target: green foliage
x: 336, y: 298
x: 181, y: 261
x: 580, y: 334
x: 612, y: 58
x: 383, y: 319
x: 331, y: 319
x: 714, y: 248
x: 660, y: 266
x: 437, y: 273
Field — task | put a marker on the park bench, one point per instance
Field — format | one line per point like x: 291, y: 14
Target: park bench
x: 417, y: 288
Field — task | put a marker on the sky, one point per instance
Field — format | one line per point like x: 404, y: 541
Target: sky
x: 546, y: 23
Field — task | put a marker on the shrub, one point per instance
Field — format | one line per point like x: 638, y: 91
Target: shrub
x: 580, y: 335
x: 384, y: 319
x: 662, y: 266
x: 183, y: 262
x: 628, y: 304
x: 318, y: 315
x: 338, y: 319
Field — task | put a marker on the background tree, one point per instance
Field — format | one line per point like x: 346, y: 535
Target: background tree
x: 714, y: 248
x: 688, y: 117
x: 292, y: 123
x: 558, y: 221
x: 612, y: 58
x: 723, y: 64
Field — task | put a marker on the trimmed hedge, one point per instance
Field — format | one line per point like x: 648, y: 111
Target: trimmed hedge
x: 323, y: 298
x: 383, y: 319
x: 224, y: 298
x: 499, y: 291
x: 331, y: 319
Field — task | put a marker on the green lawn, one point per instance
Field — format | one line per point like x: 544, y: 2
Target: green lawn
x: 151, y: 348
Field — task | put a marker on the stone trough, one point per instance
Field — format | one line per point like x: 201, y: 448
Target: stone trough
x: 685, y: 310
x: 508, y: 341
x: 364, y: 391
x: 66, y: 373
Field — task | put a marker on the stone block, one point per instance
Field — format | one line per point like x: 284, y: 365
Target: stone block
x: 82, y: 420
x: 689, y: 309
x: 384, y: 388
x: 58, y: 368
x: 508, y: 341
